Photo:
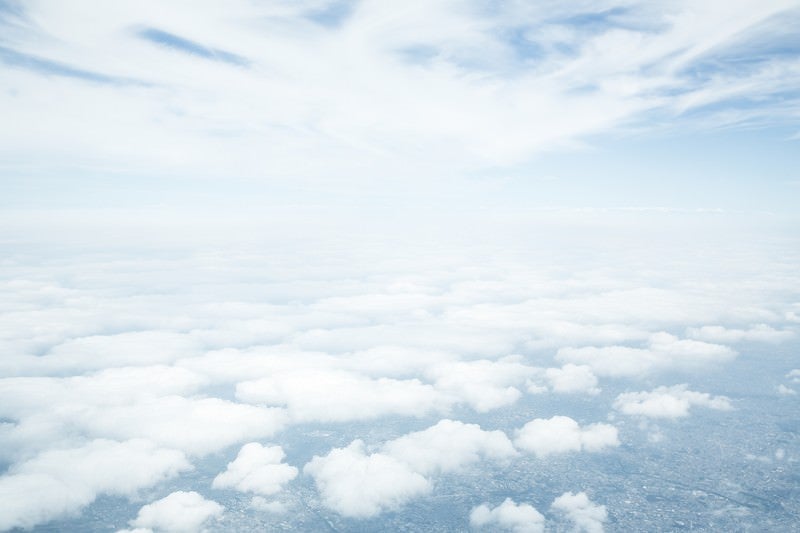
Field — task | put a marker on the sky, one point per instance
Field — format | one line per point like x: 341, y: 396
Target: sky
x: 510, y: 104
x: 369, y: 265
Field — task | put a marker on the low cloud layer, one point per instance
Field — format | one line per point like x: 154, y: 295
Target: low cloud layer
x: 166, y: 361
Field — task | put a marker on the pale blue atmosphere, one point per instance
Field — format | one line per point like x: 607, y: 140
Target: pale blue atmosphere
x: 424, y: 266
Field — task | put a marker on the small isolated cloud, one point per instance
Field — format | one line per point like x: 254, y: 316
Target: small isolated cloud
x: 668, y: 402
x: 572, y: 378
x: 519, y: 518
x: 448, y: 446
x: 359, y: 485
x: 180, y: 512
x: 257, y: 469
x: 794, y: 375
x: 664, y: 352
x: 585, y: 515
x: 759, y: 333
x: 783, y: 390
x: 58, y: 482
x: 561, y: 434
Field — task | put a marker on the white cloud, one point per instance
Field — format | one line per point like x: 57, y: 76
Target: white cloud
x: 62, y: 481
x: 124, y: 349
x: 256, y: 469
x: 668, y: 402
x: 483, y: 384
x: 794, y: 375
x: 197, y: 426
x: 519, y: 518
x: 561, y: 434
x: 758, y: 333
x: 396, y: 361
x: 335, y: 395
x: 469, y: 87
x: 572, y: 378
x: 664, y: 352
x: 584, y: 514
x: 356, y: 484
x: 783, y: 390
x: 156, y: 403
x: 179, y: 512
x: 448, y: 446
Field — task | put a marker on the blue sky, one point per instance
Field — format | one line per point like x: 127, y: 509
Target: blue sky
x: 454, y: 104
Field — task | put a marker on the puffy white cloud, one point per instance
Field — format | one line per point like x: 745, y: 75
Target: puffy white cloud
x: 483, y: 384
x: 794, y: 375
x: 179, y: 512
x: 783, y: 390
x: 156, y: 403
x: 758, y: 333
x: 572, y: 378
x: 336, y: 395
x: 356, y: 484
x: 584, y: 514
x: 519, y: 518
x: 668, y: 402
x: 123, y: 349
x: 396, y: 361
x: 561, y: 434
x: 256, y: 469
x: 62, y: 481
x: 664, y: 352
x: 447, y: 446
x: 197, y: 426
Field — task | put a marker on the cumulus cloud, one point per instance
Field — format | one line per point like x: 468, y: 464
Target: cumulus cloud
x: 256, y: 469
x: 519, y: 518
x: 561, y: 434
x: 448, y: 446
x: 62, y: 481
x: 668, y: 402
x: 758, y: 333
x: 572, y: 378
x: 664, y: 352
x: 198, y: 426
x: 584, y: 514
x: 360, y: 485
x: 335, y: 395
x: 794, y: 375
x: 123, y: 349
x: 356, y: 484
x: 783, y: 390
x: 483, y: 384
x: 179, y: 512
